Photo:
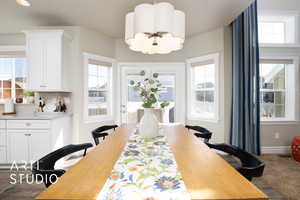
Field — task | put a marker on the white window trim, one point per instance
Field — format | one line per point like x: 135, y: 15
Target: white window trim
x: 110, y: 115
x: 296, y: 91
x: 295, y: 14
x: 11, y: 48
x: 189, y: 62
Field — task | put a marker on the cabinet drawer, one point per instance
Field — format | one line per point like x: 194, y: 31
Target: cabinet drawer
x: 2, y: 124
x: 2, y: 138
x: 3, y: 158
x: 28, y: 124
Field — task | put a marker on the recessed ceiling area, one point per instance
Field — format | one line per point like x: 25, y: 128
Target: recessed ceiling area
x: 108, y: 16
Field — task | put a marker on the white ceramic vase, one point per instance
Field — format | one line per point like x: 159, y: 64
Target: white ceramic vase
x: 149, y: 126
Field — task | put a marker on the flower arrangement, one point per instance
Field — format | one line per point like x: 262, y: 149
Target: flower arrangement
x: 149, y: 89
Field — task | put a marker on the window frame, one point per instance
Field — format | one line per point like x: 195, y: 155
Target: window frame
x: 110, y: 113
x: 291, y: 95
x: 190, y: 80
x: 9, y: 52
x: 277, y: 13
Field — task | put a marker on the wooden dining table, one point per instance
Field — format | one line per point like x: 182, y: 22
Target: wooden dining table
x: 206, y: 175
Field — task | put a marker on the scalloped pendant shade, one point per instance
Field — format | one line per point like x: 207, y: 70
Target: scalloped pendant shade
x: 155, y: 29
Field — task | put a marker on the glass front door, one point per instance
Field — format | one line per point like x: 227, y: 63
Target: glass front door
x: 131, y: 103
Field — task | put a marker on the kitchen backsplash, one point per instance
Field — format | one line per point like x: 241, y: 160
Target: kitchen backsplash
x: 52, y: 99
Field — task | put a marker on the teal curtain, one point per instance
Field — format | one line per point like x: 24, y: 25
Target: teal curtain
x: 245, y: 126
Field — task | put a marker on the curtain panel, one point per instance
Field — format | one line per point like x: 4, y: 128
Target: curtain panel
x: 245, y: 125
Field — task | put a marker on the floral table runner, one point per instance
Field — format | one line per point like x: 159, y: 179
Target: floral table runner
x: 146, y: 170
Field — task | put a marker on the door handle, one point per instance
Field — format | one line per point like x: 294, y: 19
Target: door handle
x: 27, y: 134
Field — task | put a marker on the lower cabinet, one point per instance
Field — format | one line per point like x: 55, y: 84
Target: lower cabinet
x: 3, y: 148
x: 27, y: 145
x: 39, y: 144
x: 29, y: 140
x: 3, y: 155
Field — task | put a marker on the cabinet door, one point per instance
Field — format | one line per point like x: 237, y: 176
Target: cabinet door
x: 3, y: 155
x: 39, y: 144
x: 2, y: 137
x: 17, y: 145
x: 53, y: 62
x: 35, y: 63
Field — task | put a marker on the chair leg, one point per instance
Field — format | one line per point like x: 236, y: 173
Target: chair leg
x: 104, y: 138
x: 84, y: 152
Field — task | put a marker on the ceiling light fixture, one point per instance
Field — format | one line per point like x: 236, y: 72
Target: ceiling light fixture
x: 155, y: 28
x: 23, y: 2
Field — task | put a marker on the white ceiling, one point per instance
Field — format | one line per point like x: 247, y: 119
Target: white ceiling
x: 107, y: 16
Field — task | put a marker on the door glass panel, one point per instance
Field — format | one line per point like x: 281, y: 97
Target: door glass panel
x: 131, y: 107
x: 134, y: 101
x: 168, y: 94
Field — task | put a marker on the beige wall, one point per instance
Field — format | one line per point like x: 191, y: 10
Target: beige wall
x: 12, y: 39
x: 211, y: 42
x: 89, y: 41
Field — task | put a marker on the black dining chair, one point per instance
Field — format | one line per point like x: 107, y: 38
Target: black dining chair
x: 251, y: 166
x: 44, y: 170
x: 201, y: 132
x: 99, y: 132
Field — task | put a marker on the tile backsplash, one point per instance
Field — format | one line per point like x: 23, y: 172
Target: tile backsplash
x: 51, y: 100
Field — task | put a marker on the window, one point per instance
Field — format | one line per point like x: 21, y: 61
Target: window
x: 277, y: 28
x: 203, y: 91
x: 98, y: 87
x: 277, y: 89
x: 12, y: 76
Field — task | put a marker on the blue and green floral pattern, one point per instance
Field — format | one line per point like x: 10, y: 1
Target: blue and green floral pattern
x: 146, y: 170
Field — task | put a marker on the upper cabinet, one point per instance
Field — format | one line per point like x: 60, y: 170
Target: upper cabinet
x: 48, y: 60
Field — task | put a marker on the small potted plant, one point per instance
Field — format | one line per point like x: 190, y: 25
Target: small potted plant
x: 29, y: 97
x: 149, y: 89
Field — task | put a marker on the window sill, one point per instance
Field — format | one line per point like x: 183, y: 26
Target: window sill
x: 3, y: 102
x: 98, y: 120
x: 203, y: 120
x: 279, y: 122
x: 280, y: 45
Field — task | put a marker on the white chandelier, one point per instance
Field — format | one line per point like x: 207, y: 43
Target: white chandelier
x: 155, y: 28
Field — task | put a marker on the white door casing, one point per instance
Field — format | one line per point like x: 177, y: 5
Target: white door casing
x: 176, y: 69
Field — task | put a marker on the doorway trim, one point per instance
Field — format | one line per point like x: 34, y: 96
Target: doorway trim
x: 179, y: 66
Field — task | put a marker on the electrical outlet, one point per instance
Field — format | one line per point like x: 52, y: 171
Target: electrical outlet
x: 276, y: 135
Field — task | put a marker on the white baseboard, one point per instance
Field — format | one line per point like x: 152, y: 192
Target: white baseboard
x: 276, y: 150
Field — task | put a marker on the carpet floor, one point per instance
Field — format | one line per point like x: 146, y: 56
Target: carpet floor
x: 283, y: 174
x: 281, y: 181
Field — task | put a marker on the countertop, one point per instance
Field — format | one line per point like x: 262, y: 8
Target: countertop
x: 33, y: 116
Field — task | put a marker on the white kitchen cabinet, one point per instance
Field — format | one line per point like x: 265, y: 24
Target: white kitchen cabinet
x: 17, y: 142
x: 28, y: 145
x: 39, y: 144
x: 2, y: 137
x: 28, y: 124
x: 48, y: 60
x: 3, y: 155
x: 3, y: 142
x: 30, y: 140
